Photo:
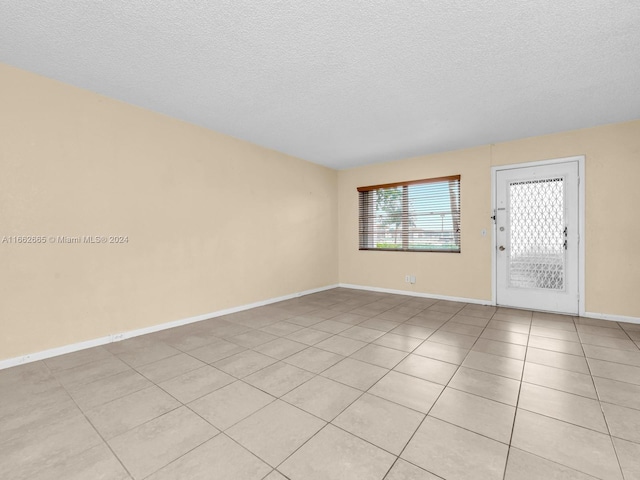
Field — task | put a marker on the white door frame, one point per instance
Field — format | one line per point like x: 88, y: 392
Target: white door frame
x: 581, y: 222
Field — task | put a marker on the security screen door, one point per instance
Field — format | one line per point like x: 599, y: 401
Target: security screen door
x: 537, y: 237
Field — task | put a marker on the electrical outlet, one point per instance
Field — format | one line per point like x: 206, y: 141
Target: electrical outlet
x: 407, y: 278
x: 412, y: 279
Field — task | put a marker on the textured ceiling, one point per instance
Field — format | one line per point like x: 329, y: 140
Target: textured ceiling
x: 345, y: 83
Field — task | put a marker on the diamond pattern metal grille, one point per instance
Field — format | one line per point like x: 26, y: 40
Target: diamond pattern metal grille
x: 536, y: 228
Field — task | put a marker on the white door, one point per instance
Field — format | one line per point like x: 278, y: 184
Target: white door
x: 537, y: 236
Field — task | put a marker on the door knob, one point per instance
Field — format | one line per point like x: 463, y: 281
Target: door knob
x: 501, y: 248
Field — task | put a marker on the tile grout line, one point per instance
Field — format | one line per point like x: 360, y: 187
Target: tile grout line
x: 515, y: 412
x: 349, y: 433
x: 606, y: 422
x: 105, y: 442
x: 436, y: 400
x: 355, y: 400
x: 318, y: 308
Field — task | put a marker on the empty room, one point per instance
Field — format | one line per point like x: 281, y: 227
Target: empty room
x: 246, y: 240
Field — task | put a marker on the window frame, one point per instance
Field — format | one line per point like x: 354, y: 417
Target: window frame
x: 366, y: 203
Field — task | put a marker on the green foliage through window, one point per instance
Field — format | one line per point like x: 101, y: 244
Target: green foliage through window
x: 421, y: 215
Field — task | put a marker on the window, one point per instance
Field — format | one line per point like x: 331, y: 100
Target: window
x: 415, y: 216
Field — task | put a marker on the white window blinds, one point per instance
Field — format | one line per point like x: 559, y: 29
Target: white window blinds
x: 420, y: 216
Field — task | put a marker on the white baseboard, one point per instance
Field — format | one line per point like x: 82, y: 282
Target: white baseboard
x: 600, y: 316
x: 116, y: 337
x: 416, y: 294
x: 613, y: 318
x: 54, y: 352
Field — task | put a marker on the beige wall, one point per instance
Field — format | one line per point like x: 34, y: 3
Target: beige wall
x: 612, y: 269
x: 460, y: 275
x: 76, y: 163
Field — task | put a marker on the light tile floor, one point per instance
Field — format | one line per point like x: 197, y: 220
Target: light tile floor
x: 342, y: 385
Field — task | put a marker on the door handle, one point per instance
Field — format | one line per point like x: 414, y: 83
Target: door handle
x: 501, y: 248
